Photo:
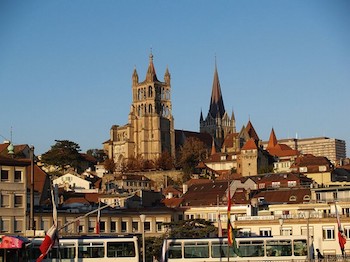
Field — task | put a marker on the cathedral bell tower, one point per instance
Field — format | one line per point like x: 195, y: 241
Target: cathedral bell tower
x: 151, y: 115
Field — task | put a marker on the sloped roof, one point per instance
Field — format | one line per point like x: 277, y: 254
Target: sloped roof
x: 251, y: 131
x: 228, y: 141
x: 182, y: 135
x: 273, y: 140
x: 172, y: 202
x: 205, y: 194
x: 288, y: 196
x: 250, y: 144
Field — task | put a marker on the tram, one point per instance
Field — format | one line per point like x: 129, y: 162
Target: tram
x: 88, y: 249
x: 277, y: 248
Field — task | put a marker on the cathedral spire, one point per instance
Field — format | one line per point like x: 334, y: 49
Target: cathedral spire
x: 216, y: 101
x: 151, y: 75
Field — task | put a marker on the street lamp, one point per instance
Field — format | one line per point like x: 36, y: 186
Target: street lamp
x: 280, y: 220
x: 143, y: 219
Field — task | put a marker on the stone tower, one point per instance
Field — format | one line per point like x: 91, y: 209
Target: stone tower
x: 217, y: 123
x: 150, y: 128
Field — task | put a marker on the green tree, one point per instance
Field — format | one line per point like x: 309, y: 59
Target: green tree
x: 63, y: 154
x: 191, y: 153
x: 98, y: 154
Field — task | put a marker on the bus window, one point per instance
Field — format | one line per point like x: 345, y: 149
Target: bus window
x: 91, y: 250
x: 196, y: 250
x: 300, y: 247
x: 120, y: 249
x: 219, y: 249
x: 251, y: 248
x: 175, y: 250
x: 278, y: 248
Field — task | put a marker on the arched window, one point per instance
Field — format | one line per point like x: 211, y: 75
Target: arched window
x: 150, y: 109
x: 150, y: 92
x: 139, y: 95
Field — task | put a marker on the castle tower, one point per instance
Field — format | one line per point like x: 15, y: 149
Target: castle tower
x: 151, y: 114
x: 217, y: 123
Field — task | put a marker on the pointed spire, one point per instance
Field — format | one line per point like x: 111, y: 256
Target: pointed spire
x: 233, y: 115
x: 272, y: 141
x: 167, y: 76
x: 201, y: 117
x: 135, y: 76
x: 213, y: 149
x: 216, y: 102
x: 151, y: 75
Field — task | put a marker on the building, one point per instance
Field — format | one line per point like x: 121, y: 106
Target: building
x: 150, y: 128
x: 332, y: 148
x: 217, y: 122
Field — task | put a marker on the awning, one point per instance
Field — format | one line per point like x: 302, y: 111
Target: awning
x: 12, y: 242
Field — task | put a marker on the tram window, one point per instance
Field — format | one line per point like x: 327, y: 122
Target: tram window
x: 196, y: 250
x: 300, y: 247
x: 91, y: 250
x: 251, y: 248
x: 174, y: 250
x: 66, y: 252
x: 220, y: 250
x: 120, y: 249
x: 278, y: 248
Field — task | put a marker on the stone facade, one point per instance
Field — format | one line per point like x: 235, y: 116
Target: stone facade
x: 150, y: 128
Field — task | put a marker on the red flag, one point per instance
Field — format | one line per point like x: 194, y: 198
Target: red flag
x: 341, y: 235
x: 97, y: 229
x: 229, y: 226
x: 48, y: 242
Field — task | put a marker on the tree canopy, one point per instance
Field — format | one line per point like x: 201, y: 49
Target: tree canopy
x: 63, y: 154
x: 192, y: 228
x: 191, y: 153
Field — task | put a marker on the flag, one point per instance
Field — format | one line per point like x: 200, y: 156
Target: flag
x: 52, y: 234
x: 341, y: 236
x: 48, y: 242
x: 97, y: 229
x: 230, y: 234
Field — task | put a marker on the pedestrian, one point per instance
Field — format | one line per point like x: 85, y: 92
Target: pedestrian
x: 319, y: 255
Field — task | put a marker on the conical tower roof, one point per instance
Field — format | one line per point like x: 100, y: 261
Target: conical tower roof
x: 273, y: 140
x: 151, y: 75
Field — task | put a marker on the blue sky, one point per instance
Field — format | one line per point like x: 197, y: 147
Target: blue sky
x: 66, y: 66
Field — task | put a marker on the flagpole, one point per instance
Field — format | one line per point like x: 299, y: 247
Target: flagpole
x: 228, y: 216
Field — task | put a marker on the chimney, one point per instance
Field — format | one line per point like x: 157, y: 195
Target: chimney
x: 184, y: 188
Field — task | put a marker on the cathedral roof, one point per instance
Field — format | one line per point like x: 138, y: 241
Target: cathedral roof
x: 216, y: 103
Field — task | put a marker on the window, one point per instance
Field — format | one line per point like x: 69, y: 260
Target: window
x: 276, y: 184
x: 135, y: 226
x: 5, y: 226
x: 124, y: 226
x: 18, y: 225
x: 4, y: 175
x: 92, y: 225
x: 159, y: 226
x: 261, y: 185
x: 5, y: 200
x: 121, y: 249
x: 265, y: 232
x: 212, y: 217
x: 304, y: 231
x: 196, y: 250
x: 292, y: 183
x: 303, y: 169
x: 286, y: 231
x: 113, y: 226
x: 18, y: 176
x: 102, y: 226
x: 18, y: 201
x: 91, y: 250
x: 328, y: 232
x: 147, y: 226
x: 292, y: 198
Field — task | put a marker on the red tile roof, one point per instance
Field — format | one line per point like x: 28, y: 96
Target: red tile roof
x: 249, y: 145
x: 288, y: 196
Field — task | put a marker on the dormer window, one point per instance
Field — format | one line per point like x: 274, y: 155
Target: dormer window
x: 306, y: 198
x: 293, y: 198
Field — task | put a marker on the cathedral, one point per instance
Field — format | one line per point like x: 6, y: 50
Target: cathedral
x: 217, y: 122
x: 150, y: 128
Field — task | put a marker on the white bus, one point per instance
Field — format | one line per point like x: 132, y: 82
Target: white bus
x: 278, y: 248
x: 90, y: 248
